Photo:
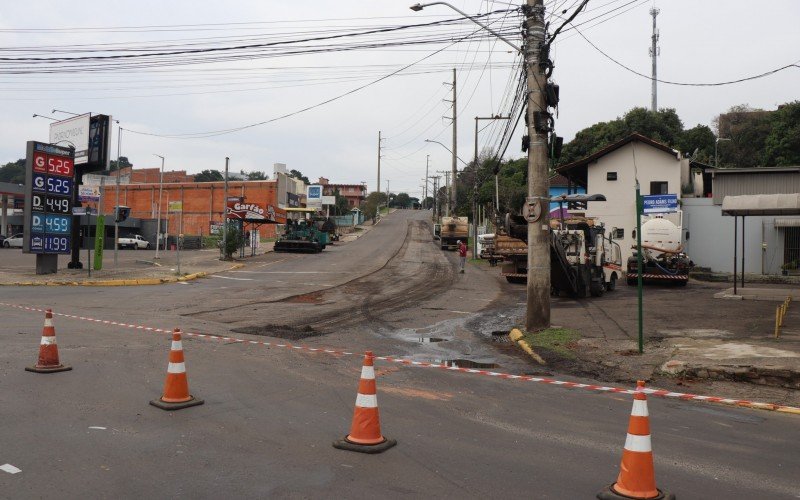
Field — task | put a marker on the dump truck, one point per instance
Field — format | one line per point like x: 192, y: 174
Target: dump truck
x: 583, y: 260
x: 452, y: 230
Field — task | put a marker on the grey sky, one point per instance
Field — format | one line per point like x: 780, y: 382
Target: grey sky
x: 704, y: 41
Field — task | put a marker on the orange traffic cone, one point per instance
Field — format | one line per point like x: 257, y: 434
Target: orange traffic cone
x: 637, y: 477
x: 365, y: 432
x: 48, y: 349
x: 176, y: 387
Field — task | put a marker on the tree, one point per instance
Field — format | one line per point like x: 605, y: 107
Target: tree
x: 402, y: 200
x: 13, y: 172
x: 782, y: 145
x: 299, y: 176
x: 342, y: 205
x: 747, y: 128
x: 699, y: 138
x: 257, y: 175
x: 370, y: 205
x: 209, y: 176
x: 123, y: 163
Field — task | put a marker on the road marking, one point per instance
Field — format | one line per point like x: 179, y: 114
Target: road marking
x: 98, y: 428
x: 9, y: 468
x: 292, y: 272
x: 231, y: 278
x: 424, y: 364
x: 273, y: 262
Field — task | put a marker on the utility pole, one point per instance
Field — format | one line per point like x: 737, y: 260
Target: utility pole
x: 116, y: 209
x: 475, y: 184
x: 447, y: 191
x: 378, y: 204
x: 436, y: 207
x: 655, y: 51
x: 427, y: 164
x: 224, y: 213
x: 158, y: 220
x: 538, y: 301
x: 452, y: 200
x: 387, y: 195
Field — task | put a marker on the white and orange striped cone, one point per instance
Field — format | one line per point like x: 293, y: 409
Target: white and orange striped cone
x: 48, y: 349
x: 176, y: 386
x: 365, y: 432
x: 637, y: 478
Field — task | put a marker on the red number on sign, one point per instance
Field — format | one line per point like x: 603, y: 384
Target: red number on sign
x: 59, y: 166
x: 39, y: 160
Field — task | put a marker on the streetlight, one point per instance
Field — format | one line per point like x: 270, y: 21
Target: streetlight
x: 452, y: 209
x: 419, y: 6
x: 448, y: 149
x: 45, y: 116
x: 160, y: 190
x: 716, y: 152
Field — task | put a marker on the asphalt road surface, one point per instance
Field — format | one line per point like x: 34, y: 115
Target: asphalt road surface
x: 271, y: 412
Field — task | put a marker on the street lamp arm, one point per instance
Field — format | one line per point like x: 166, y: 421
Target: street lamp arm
x: 419, y: 6
x: 448, y: 149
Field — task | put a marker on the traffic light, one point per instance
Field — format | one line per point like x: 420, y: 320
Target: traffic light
x: 121, y: 213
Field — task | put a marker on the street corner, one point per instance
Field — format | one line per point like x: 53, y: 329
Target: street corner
x: 518, y: 338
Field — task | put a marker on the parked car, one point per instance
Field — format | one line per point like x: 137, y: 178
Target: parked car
x: 14, y: 241
x: 136, y: 242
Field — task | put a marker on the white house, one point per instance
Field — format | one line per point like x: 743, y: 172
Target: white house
x: 613, y: 171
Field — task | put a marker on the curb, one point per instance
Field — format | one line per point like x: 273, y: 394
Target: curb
x: 516, y: 336
x: 121, y: 282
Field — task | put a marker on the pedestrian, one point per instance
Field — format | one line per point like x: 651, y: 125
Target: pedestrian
x: 462, y: 254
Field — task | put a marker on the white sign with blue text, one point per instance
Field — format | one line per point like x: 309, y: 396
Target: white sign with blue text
x: 659, y: 203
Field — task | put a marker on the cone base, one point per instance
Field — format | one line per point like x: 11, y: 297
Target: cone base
x: 158, y: 403
x: 344, y: 444
x: 608, y: 493
x: 48, y: 369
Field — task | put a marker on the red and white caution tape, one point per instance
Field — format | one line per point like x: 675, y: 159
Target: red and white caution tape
x: 422, y: 364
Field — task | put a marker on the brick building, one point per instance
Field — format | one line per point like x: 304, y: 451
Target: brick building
x: 356, y: 194
x: 153, y: 175
x: 203, y: 202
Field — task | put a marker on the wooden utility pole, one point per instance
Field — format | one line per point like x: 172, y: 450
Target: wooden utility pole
x: 427, y: 164
x: 378, y: 201
x: 538, y: 303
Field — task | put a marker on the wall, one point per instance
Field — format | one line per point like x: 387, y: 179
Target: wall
x: 710, y: 242
x: 766, y: 182
x: 619, y: 211
x: 203, y: 202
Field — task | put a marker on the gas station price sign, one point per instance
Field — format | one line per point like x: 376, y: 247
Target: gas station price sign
x: 50, y: 187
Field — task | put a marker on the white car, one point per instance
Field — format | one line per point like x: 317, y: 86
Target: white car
x: 136, y: 242
x: 14, y: 241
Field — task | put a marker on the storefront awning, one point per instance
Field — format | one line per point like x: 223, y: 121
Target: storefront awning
x: 762, y: 204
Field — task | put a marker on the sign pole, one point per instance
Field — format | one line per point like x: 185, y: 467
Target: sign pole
x: 639, y: 264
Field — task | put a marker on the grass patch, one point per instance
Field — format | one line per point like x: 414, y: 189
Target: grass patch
x: 554, y: 339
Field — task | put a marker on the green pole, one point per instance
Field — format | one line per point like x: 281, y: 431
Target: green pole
x: 639, y: 264
x: 99, y: 240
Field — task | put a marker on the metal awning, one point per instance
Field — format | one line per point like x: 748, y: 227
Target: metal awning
x: 762, y: 204
x: 787, y: 222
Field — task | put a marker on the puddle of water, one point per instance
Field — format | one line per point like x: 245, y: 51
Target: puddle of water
x: 466, y: 363
x: 429, y: 340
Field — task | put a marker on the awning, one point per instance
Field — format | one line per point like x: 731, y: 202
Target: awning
x: 762, y: 204
x: 787, y: 222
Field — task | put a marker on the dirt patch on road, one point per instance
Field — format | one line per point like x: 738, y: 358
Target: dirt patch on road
x: 287, y: 332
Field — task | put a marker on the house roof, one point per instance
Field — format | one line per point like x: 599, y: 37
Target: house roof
x: 577, y: 170
x: 756, y: 170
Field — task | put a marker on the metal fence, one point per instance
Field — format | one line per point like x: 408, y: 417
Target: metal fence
x: 351, y: 219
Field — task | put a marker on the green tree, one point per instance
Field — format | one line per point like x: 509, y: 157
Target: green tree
x: 370, y: 205
x: 402, y: 200
x: 209, y: 176
x: 298, y: 175
x: 342, y: 205
x: 782, y: 144
x: 13, y: 172
x: 699, y: 138
x: 257, y: 175
x: 747, y: 128
x: 123, y: 163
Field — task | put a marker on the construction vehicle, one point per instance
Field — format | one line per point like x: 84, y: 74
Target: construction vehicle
x: 583, y: 260
x: 663, y: 259
x: 301, y: 236
x: 328, y: 226
x: 453, y: 230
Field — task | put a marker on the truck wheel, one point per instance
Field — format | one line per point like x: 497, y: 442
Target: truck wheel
x: 597, y: 288
x: 632, y: 281
x: 612, y: 284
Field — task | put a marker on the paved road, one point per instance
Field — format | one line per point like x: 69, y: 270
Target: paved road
x: 271, y: 413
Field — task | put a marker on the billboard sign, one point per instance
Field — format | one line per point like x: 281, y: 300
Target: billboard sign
x: 88, y: 193
x: 254, y: 212
x: 50, y: 185
x: 314, y: 196
x: 329, y: 200
x: 74, y: 131
x: 660, y: 203
x: 175, y: 206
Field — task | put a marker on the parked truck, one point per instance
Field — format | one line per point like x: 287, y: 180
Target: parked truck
x: 583, y: 259
x: 452, y: 230
x: 663, y: 259
x: 135, y: 241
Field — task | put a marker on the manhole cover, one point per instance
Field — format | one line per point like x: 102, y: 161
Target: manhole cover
x: 466, y: 363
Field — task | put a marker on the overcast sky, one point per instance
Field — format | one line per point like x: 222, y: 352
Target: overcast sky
x: 701, y: 41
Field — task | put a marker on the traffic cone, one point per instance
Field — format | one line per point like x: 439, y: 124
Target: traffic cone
x: 365, y: 432
x: 176, y: 387
x: 637, y: 477
x: 48, y: 349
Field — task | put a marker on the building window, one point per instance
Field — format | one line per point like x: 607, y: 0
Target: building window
x: 618, y: 233
x: 611, y: 176
x: 659, y: 187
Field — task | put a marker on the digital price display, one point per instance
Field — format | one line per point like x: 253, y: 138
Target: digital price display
x: 50, y: 187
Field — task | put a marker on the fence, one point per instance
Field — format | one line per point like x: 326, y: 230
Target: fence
x: 351, y: 219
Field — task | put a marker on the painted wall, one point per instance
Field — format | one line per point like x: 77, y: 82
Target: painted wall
x: 619, y: 211
x: 710, y: 241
